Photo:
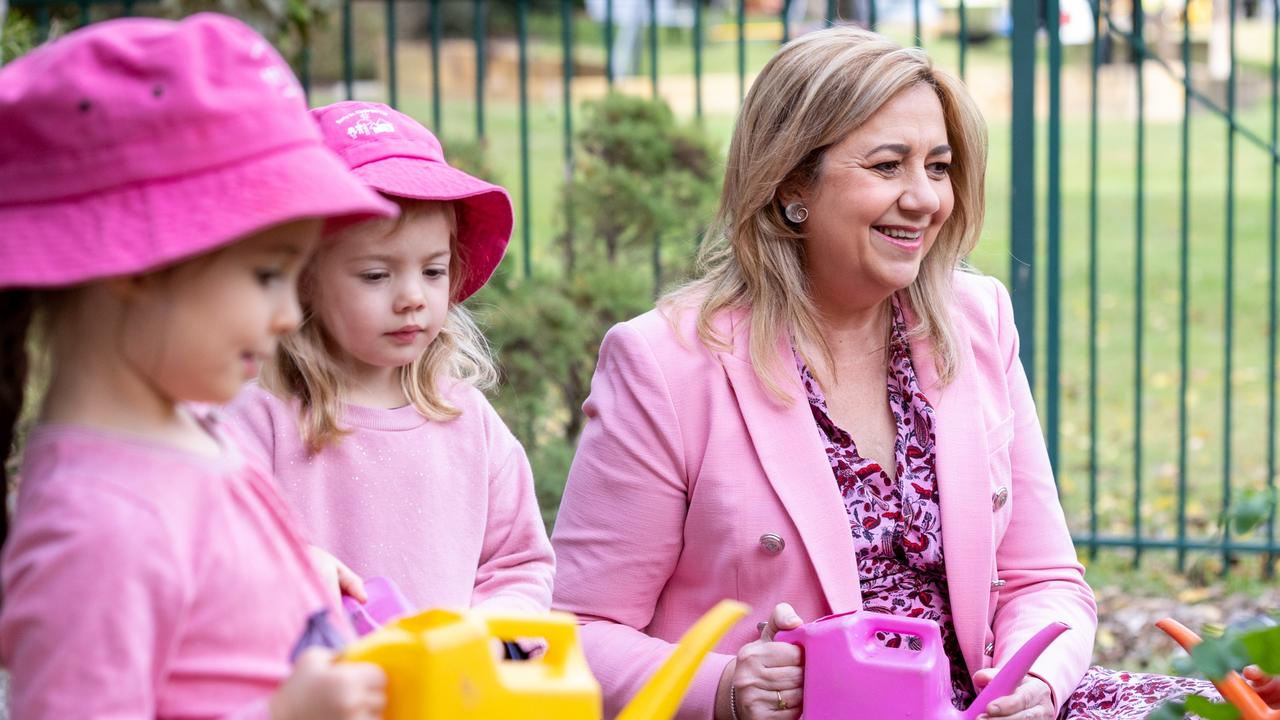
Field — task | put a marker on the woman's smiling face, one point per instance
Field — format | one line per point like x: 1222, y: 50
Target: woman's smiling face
x: 878, y: 201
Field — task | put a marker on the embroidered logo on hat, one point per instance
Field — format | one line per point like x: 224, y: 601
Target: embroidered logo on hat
x: 366, y: 125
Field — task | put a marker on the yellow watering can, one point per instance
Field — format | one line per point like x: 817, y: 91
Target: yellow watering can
x: 440, y: 666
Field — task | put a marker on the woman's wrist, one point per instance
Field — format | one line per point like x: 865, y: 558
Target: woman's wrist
x: 725, y: 706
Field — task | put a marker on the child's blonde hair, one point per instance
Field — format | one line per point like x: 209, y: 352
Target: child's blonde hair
x: 304, y: 366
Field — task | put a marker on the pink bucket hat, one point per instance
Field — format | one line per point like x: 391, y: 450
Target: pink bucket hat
x: 135, y: 143
x: 396, y: 155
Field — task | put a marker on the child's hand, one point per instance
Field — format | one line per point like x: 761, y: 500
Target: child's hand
x: 320, y: 689
x: 1267, y: 687
x: 337, y: 576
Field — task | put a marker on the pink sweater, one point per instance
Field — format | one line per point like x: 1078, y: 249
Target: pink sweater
x: 445, y: 509
x: 142, y: 581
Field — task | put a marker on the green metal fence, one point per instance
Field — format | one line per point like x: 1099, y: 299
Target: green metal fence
x: 1145, y: 460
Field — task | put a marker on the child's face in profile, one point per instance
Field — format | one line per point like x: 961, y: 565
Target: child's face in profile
x: 203, y: 328
x: 382, y: 290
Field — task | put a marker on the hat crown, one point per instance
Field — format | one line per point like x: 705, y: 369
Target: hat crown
x: 141, y: 99
x: 365, y: 132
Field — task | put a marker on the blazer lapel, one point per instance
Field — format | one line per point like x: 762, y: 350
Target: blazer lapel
x: 786, y: 442
x: 963, y: 487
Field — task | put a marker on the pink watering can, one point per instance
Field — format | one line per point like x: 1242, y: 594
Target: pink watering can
x: 385, y: 603
x: 849, y: 673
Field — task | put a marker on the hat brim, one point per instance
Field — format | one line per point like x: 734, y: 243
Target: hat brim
x: 485, y: 216
x: 145, y: 226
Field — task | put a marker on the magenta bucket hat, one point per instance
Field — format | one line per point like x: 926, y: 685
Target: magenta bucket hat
x: 396, y: 155
x: 136, y: 143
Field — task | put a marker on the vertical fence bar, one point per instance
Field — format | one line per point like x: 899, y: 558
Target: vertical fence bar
x: 392, y: 100
x: 566, y: 44
x: 522, y: 35
x: 784, y: 16
x: 43, y: 21
x: 697, y: 59
x: 1229, y: 299
x: 653, y: 78
x: 653, y: 46
x: 437, y: 38
x: 481, y: 16
x: 1022, y: 210
x: 1053, y: 233
x: 1184, y: 280
x: 128, y: 8
x: 1268, y: 570
x: 608, y: 42
x: 742, y: 50
x: 831, y: 12
x: 348, y: 50
x: 84, y: 12
x: 1096, y: 60
x: 304, y: 66
x: 964, y: 36
x: 872, y: 20
x: 1139, y: 273
x: 917, y: 33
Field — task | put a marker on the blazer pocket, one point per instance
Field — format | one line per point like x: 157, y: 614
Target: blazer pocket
x: 1000, y: 435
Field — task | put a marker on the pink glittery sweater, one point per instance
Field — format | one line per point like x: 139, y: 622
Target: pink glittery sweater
x: 445, y: 509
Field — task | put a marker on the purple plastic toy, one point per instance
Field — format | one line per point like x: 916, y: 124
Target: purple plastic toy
x: 849, y: 673
x: 386, y: 603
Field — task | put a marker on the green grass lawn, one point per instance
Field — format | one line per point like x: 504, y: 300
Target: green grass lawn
x: 1117, y: 329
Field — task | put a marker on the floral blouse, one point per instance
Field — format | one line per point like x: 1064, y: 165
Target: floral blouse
x: 896, y: 523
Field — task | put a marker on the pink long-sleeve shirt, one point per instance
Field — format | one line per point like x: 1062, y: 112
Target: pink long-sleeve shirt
x: 445, y: 509
x: 142, y: 581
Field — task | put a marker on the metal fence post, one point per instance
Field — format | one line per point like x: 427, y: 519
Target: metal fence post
x: 1022, y: 211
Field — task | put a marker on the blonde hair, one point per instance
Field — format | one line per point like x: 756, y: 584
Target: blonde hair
x: 305, y: 366
x: 811, y: 95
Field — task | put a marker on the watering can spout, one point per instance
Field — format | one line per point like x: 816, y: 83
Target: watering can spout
x: 659, y: 697
x: 1012, y: 673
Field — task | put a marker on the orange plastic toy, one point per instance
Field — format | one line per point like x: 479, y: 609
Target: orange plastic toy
x: 1234, y: 689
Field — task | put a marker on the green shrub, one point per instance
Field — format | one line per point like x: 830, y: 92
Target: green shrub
x: 639, y: 178
x: 16, y: 37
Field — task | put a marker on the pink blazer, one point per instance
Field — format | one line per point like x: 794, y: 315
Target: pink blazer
x: 687, y: 463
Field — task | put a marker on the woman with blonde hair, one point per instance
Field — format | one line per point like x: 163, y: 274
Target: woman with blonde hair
x: 831, y: 405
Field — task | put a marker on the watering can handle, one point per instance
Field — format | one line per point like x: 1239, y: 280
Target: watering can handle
x: 558, y: 629
x: 1232, y: 686
x: 874, y: 622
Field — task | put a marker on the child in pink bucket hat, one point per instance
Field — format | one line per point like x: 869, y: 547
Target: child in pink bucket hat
x: 163, y: 186
x: 372, y: 413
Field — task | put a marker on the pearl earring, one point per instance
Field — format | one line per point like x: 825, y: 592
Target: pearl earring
x: 796, y: 212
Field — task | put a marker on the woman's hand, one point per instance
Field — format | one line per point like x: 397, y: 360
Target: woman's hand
x: 1032, y: 700
x: 320, y: 689
x: 337, y: 577
x: 1267, y: 687
x: 767, y: 677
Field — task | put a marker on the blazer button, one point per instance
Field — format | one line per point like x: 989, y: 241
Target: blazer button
x: 997, y: 584
x: 989, y: 650
x: 772, y: 543
x: 999, y: 498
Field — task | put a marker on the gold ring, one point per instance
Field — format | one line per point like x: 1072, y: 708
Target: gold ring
x: 782, y: 704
